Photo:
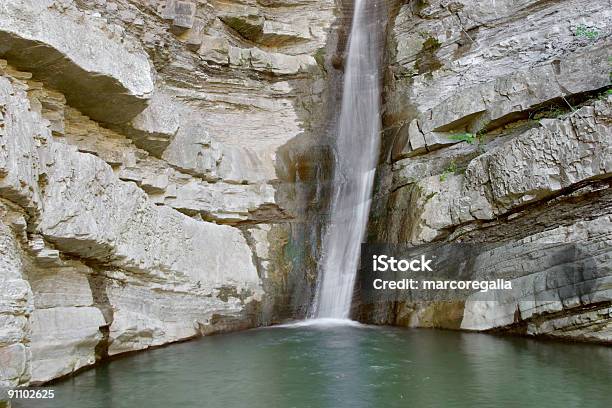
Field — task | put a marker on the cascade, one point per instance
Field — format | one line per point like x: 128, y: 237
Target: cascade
x: 356, y: 150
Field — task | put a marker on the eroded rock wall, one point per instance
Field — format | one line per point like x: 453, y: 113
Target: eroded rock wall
x: 140, y: 147
x: 498, y: 132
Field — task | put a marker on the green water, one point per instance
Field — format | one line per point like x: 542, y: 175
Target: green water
x: 337, y: 367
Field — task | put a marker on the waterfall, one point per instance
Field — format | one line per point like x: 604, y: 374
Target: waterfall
x: 356, y: 149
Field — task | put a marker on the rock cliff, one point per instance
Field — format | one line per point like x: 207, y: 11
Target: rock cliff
x: 498, y: 134
x: 146, y: 171
x: 165, y: 167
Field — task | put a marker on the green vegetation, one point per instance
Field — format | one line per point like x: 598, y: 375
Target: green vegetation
x: 430, y: 196
x: 319, y: 57
x: 451, y: 169
x: 604, y: 95
x: 431, y: 43
x: 464, y: 137
x: 470, y: 138
x: 551, y: 112
x: 427, y: 61
x: 583, y: 31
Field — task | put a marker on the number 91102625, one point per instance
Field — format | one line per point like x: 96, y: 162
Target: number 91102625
x: 31, y: 394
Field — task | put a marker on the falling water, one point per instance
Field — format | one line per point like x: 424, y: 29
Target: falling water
x: 357, y: 145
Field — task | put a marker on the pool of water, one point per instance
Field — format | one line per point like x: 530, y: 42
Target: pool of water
x: 347, y: 366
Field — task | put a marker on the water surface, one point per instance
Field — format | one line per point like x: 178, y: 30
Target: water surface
x: 347, y: 366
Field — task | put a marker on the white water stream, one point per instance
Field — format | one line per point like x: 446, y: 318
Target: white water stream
x: 357, y: 149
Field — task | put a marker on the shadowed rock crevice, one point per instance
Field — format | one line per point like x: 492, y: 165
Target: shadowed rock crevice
x: 102, y: 98
x: 97, y: 284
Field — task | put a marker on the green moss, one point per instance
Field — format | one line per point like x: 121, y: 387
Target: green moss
x: 430, y: 196
x: 552, y: 112
x: 319, y: 56
x: 431, y: 44
x: 427, y: 61
x: 451, y: 169
x: 463, y: 137
x: 582, y: 31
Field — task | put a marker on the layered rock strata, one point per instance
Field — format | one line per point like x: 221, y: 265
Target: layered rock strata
x: 139, y: 191
x: 498, y: 132
x: 165, y: 167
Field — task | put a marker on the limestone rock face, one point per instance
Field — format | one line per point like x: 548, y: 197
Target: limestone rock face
x: 15, y: 307
x: 138, y: 153
x: 547, y: 283
x: 498, y: 133
x: 63, y: 340
x: 527, y: 168
x: 75, y: 53
x: 65, y: 324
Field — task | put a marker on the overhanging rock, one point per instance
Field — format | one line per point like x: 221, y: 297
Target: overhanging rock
x: 106, y: 79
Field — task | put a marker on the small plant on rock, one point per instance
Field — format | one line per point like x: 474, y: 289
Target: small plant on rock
x: 552, y: 112
x: 451, y: 169
x: 583, y: 31
x: 464, y: 137
x: 604, y: 95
